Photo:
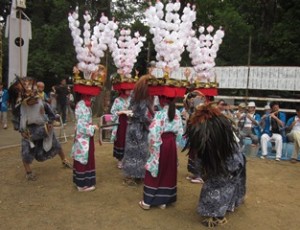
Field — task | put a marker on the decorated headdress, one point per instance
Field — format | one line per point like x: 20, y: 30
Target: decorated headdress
x: 210, y: 135
x: 169, y: 37
x: 23, y: 90
x: 124, y: 52
x: 89, y: 75
x: 203, y: 51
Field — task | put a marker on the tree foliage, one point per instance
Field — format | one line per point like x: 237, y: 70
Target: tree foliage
x: 272, y: 24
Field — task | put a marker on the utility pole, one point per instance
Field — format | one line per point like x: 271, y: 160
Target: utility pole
x: 248, y: 64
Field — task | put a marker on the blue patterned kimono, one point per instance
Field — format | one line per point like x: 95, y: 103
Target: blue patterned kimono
x: 136, y: 146
x: 221, y: 194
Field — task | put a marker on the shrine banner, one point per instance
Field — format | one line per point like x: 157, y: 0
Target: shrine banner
x: 18, y: 32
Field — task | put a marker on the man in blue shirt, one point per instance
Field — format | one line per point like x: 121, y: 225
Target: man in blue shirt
x: 273, y: 126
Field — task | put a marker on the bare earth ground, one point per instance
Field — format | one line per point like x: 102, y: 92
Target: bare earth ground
x: 52, y: 202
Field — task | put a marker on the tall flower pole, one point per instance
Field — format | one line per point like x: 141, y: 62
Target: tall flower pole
x: 90, y: 46
x: 203, y: 51
x: 170, y: 35
x: 170, y: 32
x: 125, y: 51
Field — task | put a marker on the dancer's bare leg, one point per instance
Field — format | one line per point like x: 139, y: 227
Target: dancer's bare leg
x: 64, y: 160
x: 29, y: 174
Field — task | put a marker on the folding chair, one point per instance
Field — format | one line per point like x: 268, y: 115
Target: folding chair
x: 105, y: 128
x: 59, y: 129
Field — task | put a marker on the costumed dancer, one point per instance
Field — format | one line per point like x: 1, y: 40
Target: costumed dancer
x: 89, y: 77
x: 166, y: 129
x: 192, y: 100
x: 33, y: 118
x: 221, y: 163
x: 136, y: 148
x: 83, y: 150
x: 119, y: 110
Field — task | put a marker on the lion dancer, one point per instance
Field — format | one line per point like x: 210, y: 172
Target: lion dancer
x: 35, y: 125
x: 221, y: 163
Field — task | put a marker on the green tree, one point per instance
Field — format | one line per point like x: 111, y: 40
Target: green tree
x: 273, y: 25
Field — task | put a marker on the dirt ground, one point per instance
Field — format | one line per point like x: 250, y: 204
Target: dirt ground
x: 52, y: 202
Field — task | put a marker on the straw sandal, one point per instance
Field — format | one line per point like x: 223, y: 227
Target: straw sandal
x: 212, y: 222
x: 67, y: 164
x: 129, y: 182
x: 30, y: 176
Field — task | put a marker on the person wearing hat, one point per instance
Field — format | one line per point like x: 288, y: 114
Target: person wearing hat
x: 293, y: 127
x: 240, y: 112
x: 267, y: 111
x: 273, y: 127
x: 249, y: 124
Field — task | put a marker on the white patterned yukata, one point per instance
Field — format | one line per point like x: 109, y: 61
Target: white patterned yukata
x: 160, y: 184
x: 84, y: 173
x: 119, y: 132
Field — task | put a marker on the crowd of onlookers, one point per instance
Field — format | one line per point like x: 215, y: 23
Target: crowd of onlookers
x: 258, y: 128
x: 271, y: 126
x: 60, y: 98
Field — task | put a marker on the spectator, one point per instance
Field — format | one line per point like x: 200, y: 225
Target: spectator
x: 225, y: 109
x: 52, y: 101
x: 293, y: 126
x: 237, y: 116
x: 40, y: 90
x: 273, y: 125
x: 221, y: 104
x: 70, y: 105
x: 249, y: 124
x: 61, y: 92
x: 267, y: 111
x: 3, y: 105
x: 241, y: 111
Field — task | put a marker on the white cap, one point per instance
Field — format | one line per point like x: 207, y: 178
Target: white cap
x: 251, y: 104
x: 267, y: 107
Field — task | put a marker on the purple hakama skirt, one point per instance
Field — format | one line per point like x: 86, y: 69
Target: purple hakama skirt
x: 85, y: 175
x: 119, y: 143
x: 163, y: 188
